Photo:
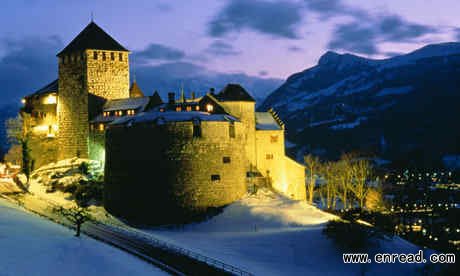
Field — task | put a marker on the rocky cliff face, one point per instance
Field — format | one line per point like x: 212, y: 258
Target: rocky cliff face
x: 405, y: 108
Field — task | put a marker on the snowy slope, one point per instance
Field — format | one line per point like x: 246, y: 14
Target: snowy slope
x: 31, y: 246
x: 270, y: 235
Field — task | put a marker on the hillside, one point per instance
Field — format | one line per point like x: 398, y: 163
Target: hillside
x: 34, y: 246
x: 267, y: 234
x: 402, y: 108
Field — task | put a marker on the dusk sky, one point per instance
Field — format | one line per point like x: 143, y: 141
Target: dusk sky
x: 257, y: 42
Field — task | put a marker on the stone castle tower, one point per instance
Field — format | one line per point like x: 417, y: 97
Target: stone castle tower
x: 93, y: 67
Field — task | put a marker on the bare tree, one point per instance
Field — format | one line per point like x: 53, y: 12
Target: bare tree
x: 329, y: 173
x: 76, y: 215
x: 313, y: 166
x: 362, y: 171
x: 19, y: 134
x: 344, y: 169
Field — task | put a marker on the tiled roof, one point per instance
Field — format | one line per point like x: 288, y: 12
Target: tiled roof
x: 266, y: 121
x: 92, y: 37
x: 125, y: 104
x: 50, y: 87
x: 234, y: 92
x: 173, y: 116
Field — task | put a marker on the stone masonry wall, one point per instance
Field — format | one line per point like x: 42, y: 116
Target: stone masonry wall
x: 156, y: 174
x: 245, y: 111
x: 72, y: 108
x: 108, y: 78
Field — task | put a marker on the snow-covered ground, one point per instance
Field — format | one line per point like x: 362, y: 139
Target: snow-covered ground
x: 30, y: 245
x: 267, y: 234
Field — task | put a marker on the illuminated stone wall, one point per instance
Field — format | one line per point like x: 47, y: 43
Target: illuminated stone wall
x: 108, y: 78
x: 285, y: 175
x: 72, y: 107
x: 245, y: 111
x: 295, y: 177
x: 159, y: 174
x: 40, y: 121
x: 105, y: 75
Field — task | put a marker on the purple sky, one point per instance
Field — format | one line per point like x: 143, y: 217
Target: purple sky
x: 252, y: 40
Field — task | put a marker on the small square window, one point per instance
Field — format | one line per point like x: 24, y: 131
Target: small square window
x: 269, y: 156
x: 274, y: 139
x: 215, y: 177
x: 226, y: 159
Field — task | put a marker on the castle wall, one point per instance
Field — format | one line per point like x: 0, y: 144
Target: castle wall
x: 295, y: 176
x: 72, y: 108
x: 97, y: 145
x: 245, y: 111
x: 108, y: 78
x: 161, y: 174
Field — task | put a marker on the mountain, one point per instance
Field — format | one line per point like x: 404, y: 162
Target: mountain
x: 404, y: 109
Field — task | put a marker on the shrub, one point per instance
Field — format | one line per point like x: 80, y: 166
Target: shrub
x: 352, y: 236
x: 84, y: 168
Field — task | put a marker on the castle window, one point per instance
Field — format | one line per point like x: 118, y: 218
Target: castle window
x: 196, y: 128
x: 269, y: 156
x: 130, y: 112
x: 95, y: 55
x: 120, y: 56
x: 209, y: 108
x: 231, y: 130
x: 274, y: 139
x: 226, y: 159
x: 215, y: 177
x: 188, y: 108
x: 101, y: 127
x: 112, y: 56
x: 119, y: 113
x: 197, y: 108
x: 103, y: 55
x: 178, y: 108
x: 106, y: 113
x: 162, y: 110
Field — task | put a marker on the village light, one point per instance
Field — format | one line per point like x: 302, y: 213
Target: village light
x: 209, y: 108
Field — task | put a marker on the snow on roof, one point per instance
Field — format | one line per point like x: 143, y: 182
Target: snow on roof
x: 173, y: 116
x: 125, y: 104
x: 265, y: 121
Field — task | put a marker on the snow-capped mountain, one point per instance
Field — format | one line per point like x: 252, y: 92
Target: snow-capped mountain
x: 405, y: 106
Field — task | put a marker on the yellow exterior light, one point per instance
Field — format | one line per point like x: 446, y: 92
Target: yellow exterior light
x: 23, y: 101
x: 51, y: 99
x: 209, y: 108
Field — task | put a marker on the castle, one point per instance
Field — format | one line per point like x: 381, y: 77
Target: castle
x: 185, y: 153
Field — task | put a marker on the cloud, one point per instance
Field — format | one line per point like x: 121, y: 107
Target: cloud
x: 363, y: 36
x: 27, y: 65
x: 294, y: 49
x: 457, y: 34
x: 171, y: 76
x: 221, y: 48
x: 154, y: 52
x: 263, y: 73
x: 275, y: 18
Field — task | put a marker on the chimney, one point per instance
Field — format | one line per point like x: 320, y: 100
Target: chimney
x: 171, y: 98
x: 192, y: 95
x: 211, y: 90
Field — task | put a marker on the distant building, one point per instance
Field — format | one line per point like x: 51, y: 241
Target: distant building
x: 201, y: 151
